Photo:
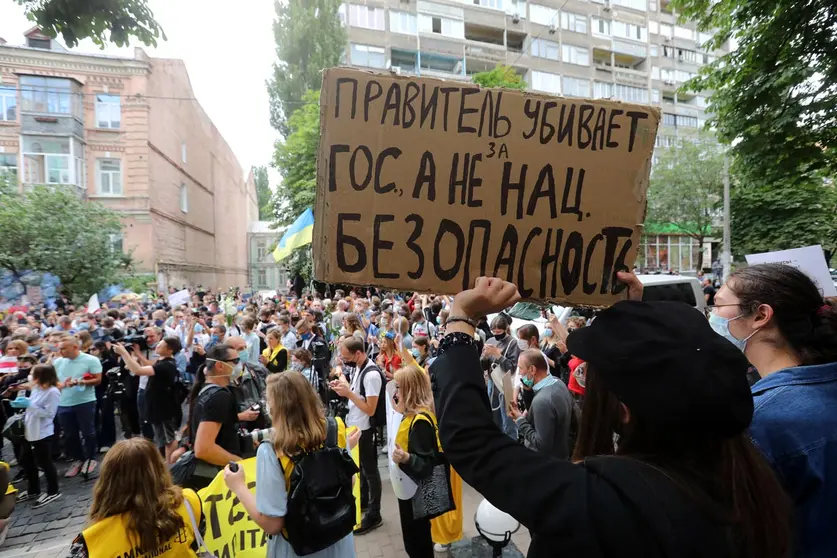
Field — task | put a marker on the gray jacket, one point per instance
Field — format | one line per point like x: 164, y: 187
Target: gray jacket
x: 546, y: 428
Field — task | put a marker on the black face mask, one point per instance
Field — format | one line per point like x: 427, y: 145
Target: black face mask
x: 499, y: 336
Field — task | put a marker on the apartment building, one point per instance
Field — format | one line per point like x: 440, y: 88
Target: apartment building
x: 129, y: 133
x: 632, y: 50
x: 265, y: 273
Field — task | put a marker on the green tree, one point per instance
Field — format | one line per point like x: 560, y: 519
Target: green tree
x: 263, y: 193
x: 686, y: 190
x: 775, y: 93
x: 795, y: 213
x: 103, y: 21
x: 309, y: 38
x: 296, y: 160
x: 501, y: 76
x: 54, y: 230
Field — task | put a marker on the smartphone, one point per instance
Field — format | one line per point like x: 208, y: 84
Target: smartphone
x: 255, y: 407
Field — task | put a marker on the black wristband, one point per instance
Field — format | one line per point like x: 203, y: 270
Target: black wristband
x: 463, y: 319
x: 454, y: 339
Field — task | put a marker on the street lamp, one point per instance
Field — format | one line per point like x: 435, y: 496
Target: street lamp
x: 495, y: 526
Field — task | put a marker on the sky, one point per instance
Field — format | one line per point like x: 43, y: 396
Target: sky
x: 228, y: 49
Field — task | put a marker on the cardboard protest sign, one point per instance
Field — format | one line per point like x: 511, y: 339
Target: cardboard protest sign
x: 810, y: 260
x: 424, y: 185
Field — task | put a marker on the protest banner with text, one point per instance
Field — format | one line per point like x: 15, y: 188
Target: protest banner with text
x: 424, y: 185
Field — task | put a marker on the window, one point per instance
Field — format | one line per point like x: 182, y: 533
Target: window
x: 183, y: 151
x: 629, y: 31
x: 602, y: 90
x: 108, y: 111
x: 402, y: 22
x: 261, y: 251
x: 655, y: 72
x: 679, y: 120
x: 544, y: 81
x: 704, y: 37
x: 633, y: 4
x: 495, y: 4
x: 601, y: 26
x: 542, y: 15
x: 666, y: 30
x: 8, y: 103
x: 683, y: 33
x: 371, y: 56
x: 442, y: 26
x: 574, y: 22
x: 52, y: 160
x: 38, y: 43
x: 575, y: 55
x: 8, y: 166
x: 545, y: 49
x: 116, y: 242
x: 48, y: 95
x: 366, y: 17
x: 655, y: 96
x: 574, y: 87
x: 109, y: 177
x: 631, y: 94
x: 184, y: 198
x: 261, y: 277
x: 683, y: 54
x: 664, y: 252
x: 653, y: 27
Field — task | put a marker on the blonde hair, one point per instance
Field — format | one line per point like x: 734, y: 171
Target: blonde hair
x: 414, y: 389
x: 134, y: 480
x: 297, y: 413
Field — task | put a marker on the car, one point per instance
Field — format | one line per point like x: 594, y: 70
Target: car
x: 656, y: 288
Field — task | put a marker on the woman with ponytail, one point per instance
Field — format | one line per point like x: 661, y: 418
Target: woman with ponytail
x: 777, y: 316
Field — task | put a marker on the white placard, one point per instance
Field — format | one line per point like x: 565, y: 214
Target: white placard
x: 810, y: 260
x: 180, y: 297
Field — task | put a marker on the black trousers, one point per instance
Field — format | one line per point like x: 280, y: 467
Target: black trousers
x: 418, y: 542
x: 370, y: 476
x: 37, y: 455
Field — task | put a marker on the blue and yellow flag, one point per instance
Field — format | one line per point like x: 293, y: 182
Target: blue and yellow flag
x: 298, y: 234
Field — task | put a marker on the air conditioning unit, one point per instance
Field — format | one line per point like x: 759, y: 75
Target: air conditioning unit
x: 396, y: 70
x: 552, y: 29
x: 666, y: 39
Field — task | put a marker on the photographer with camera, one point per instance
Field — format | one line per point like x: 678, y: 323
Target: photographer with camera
x: 248, y: 388
x: 162, y: 409
x: 105, y: 426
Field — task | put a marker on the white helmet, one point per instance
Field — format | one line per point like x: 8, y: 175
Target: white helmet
x: 493, y: 524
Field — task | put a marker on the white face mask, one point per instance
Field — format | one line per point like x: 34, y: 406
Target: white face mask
x: 522, y: 344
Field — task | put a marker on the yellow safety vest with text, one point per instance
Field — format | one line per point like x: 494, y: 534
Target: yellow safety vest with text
x: 108, y: 538
x: 402, y: 437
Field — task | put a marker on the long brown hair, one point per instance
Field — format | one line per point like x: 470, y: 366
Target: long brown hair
x: 297, y: 412
x: 134, y: 480
x: 727, y: 478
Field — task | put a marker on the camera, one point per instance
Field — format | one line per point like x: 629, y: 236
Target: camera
x: 116, y: 387
x: 261, y: 435
x: 136, y: 339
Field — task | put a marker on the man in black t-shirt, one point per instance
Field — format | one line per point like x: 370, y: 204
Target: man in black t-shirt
x: 162, y: 409
x: 708, y: 292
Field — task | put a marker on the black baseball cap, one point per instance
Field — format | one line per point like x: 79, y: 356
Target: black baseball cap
x: 668, y: 366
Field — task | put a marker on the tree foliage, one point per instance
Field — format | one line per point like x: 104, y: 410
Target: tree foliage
x: 263, y: 193
x: 687, y: 188
x: 309, y: 38
x: 296, y: 160
x: 55, y: 231
x: 103, y: 21
x: 776, y: 93
x: 501, y: 76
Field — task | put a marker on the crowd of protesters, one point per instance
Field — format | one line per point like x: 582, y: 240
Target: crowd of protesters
x: 639, y: 431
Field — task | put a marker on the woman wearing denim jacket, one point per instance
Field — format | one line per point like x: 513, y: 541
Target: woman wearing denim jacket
x: 778, y: 317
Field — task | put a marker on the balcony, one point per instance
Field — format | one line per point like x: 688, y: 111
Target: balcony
x: 634, y: 50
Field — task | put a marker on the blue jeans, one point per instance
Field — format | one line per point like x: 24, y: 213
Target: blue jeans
x: 79, y: 426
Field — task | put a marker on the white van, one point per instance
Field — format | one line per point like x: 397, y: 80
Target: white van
x: 656, y: 288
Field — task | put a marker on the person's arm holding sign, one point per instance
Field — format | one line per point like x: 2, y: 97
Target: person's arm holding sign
x: 237, y: 483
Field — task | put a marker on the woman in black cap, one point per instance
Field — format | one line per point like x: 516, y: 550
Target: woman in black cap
x: 778, y: 318
x: 663, y: 465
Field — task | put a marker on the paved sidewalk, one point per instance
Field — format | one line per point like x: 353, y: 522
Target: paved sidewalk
x: 48, y: 532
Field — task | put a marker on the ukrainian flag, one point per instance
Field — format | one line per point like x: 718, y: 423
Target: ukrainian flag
x: 299, y: 234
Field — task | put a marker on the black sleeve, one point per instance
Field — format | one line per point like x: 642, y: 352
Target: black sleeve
x: 495, y: 465
x: 280, y: 363
x: 219, y: 407
x: 422, y: 450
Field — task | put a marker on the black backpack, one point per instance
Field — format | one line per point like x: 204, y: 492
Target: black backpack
x: 321, y: 506
x: 380, y: 416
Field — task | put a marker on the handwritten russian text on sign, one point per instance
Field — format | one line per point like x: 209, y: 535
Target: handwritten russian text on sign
x: 425, y: 185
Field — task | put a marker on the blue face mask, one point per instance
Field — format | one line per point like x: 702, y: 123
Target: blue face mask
x: 213, y: 338
x: 306, y: 336
x: 721, y: 327
x: 415, y: 353
x: 547, y: 332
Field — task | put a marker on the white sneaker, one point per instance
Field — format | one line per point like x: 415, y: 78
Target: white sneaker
x: 104, y: 449
x: 441, y: 548
x: 45, y: 499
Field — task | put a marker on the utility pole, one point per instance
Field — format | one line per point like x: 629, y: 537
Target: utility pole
x: 726, y: 255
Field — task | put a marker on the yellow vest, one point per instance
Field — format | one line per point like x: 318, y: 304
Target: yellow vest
x: 108, y: 538
x: 402, y: 438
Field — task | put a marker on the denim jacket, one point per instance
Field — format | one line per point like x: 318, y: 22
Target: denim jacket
x: 795, y: 426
